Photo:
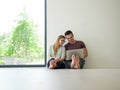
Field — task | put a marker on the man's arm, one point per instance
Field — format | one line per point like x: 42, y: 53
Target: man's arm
x: 85, y: 52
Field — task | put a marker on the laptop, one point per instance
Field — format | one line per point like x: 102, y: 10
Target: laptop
x: 78, y: 52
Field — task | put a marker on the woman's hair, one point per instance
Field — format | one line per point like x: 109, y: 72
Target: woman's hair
x: 56, y: 44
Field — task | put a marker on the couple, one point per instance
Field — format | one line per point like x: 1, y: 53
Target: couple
x: 57, y: 53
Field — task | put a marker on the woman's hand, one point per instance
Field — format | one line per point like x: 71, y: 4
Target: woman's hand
x: 57, y: 60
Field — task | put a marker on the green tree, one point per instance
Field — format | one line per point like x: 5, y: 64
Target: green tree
x: 24, y: 41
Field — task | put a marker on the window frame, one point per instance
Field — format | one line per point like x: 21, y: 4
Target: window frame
x: 45, y: 44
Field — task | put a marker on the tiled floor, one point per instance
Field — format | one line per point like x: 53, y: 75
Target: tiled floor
x: 64, y: 79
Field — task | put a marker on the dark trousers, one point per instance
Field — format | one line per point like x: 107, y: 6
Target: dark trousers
x: 60, y: 65
x: 68, y: 63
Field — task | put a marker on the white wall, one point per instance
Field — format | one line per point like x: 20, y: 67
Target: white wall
x: 96, y: 22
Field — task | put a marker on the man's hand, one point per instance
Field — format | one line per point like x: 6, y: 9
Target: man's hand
x: 85, y: 53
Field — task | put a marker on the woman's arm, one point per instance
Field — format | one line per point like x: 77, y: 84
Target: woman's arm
x: 62, y: 54
x: 50, y: 53
x: 60, y: 59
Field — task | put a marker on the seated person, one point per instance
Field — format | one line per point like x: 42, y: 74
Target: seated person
x: 76, y: 61
x: 57, y: 54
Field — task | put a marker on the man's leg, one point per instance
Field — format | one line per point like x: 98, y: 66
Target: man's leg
x: 73, y: 61
x: 68, y: 64
x: 77, y: 64
x: 82, y: 62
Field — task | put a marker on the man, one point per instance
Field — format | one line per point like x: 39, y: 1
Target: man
x: 76, y: 62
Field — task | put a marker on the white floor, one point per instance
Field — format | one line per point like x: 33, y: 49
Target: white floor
x: 64, y: 79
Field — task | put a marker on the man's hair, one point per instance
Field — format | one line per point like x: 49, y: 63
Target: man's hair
x: 68, y: 32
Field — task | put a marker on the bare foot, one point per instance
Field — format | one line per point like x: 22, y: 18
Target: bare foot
x: 51, y: 67
x: 77, y: 65
x: 73, y: 61
x: 78, y: 61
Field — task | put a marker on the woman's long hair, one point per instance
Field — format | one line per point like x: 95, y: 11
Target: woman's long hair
x: 56, y: 44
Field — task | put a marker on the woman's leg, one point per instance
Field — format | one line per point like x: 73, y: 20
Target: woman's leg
x: 60, y: 65
x: 51, y: 64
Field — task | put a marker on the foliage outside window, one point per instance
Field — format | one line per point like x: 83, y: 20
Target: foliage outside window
x: 23, y: 44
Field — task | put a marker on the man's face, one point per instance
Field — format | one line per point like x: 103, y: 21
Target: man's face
x: 70, y: 38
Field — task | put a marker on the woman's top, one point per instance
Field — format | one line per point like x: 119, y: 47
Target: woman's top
x: 60, y: 52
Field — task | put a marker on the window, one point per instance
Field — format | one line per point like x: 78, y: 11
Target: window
x: 22, y: 33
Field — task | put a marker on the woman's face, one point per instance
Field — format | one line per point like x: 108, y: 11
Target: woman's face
x: 61, y: 41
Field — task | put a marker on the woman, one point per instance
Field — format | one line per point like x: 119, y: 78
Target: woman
x: 57, y: 54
